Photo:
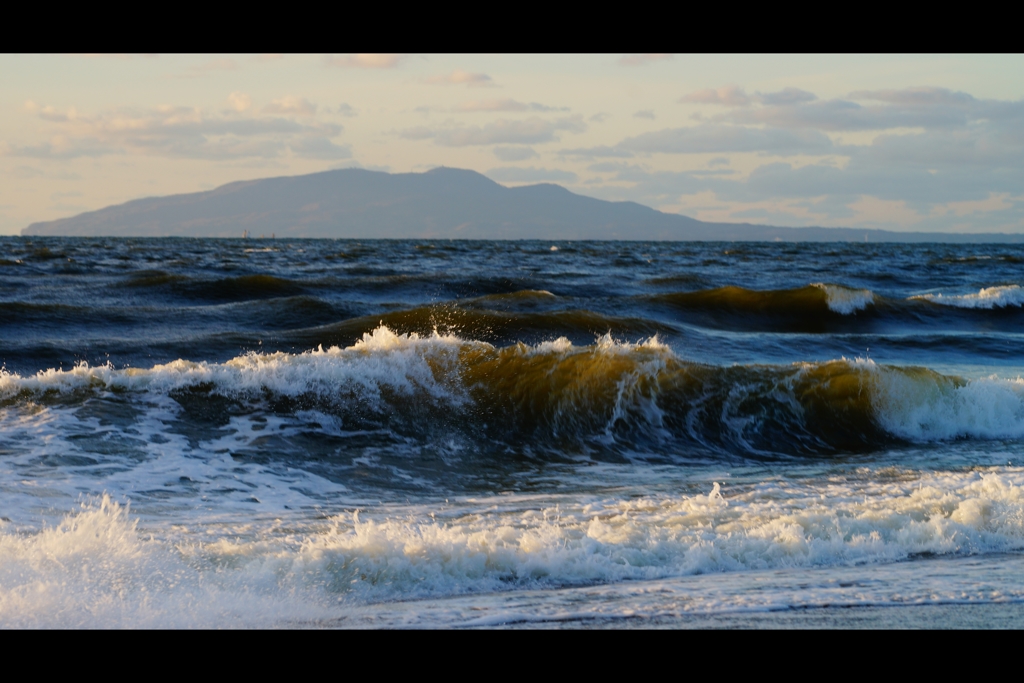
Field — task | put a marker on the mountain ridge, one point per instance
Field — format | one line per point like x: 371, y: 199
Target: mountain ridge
x: 437, y: 204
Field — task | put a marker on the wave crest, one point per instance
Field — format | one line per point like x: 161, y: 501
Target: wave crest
x: 556, y: 396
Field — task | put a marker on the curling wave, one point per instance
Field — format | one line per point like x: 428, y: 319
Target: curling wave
x: 559, y: 397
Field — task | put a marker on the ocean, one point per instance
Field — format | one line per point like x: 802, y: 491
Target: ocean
x: 454, y: 434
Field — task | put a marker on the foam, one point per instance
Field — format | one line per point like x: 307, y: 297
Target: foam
x: 98, y: 568
x: 380, y: 358
x: 988, y: 298
x: 774, y: 524
x: 845, y: 300
x: 925, y: 406
x: 437, y: 372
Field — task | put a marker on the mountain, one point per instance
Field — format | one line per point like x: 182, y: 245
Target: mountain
x: 444, y: 203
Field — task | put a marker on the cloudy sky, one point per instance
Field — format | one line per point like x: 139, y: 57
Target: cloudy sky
x: 904, y: 143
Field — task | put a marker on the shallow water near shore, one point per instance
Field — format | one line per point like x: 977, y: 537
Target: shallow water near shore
x: 331, y: 433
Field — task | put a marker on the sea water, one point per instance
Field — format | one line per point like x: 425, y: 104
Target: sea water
x: 308, y: 433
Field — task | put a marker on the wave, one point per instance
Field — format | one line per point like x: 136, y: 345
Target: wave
x: 816, y: 307
x: 822, y: 308
x: 556, y: 397
x: 845, y: 300
x: 95, y: 568
x: 986, y: 298
x: 239, y: 288
x: 474, y: 319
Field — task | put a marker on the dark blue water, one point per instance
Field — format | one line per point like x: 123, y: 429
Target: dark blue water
x: 289, y: 430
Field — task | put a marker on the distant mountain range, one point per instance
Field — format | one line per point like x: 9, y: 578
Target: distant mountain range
x: 444, y: 203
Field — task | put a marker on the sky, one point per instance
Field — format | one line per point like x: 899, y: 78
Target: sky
x: 906, y: 142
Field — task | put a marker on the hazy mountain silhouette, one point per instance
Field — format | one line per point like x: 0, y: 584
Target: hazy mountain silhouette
x: 441, y: 203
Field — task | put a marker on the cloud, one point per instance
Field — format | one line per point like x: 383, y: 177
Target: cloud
x: 730, y: 96
x: 644, y: 114
x: 291, y: 106
x: 529, y: 131
x: 460, y: 77
x: 345, y: 110
x: 600, y: 117
x: 493, y: 105
x: 417, y: 133
x: 886, y: 109
x: 643, y: 59
x: 505, y: 104
x: 366, y: 61
x: 598, y: 152
x: 514, y: 153
x: 844, y: 115
x: 926, y: 200
x: 530, y: 174
x: 915, y: 96
x: 718, y: 138
x: 984, y: 147
x: 941, y: 160
x: 169, y: 131
x: 239, y: 101
x: 611, y: 167
x: 319, y: 148
x: 786, y: 96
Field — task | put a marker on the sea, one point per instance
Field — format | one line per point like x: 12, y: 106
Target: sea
x: 286, y: 433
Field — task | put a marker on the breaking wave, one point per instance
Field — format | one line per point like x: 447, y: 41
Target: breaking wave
x: 986, y: 298
x: 97, y: 568
x: 560, y: 397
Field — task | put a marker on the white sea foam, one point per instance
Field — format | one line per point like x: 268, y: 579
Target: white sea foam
x: 989, y: 297
x: 924, y: 406
x: 846, y: 300
x: 96, y: 568
x: 401, y: 363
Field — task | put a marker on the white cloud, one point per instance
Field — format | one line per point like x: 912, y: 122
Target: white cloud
x: 730, y: 96
x: 644, y: 114
x: 366, y: 61
x: 529, y: 131
x: 183, y: 132
x: 291, y: 105
x: 239, y: 101
x: 460, y: 77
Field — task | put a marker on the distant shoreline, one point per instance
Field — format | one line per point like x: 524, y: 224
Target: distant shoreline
x: 444, y: 203
x: 961, y: 238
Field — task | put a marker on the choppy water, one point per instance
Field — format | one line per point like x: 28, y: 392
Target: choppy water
x: 389, y: 433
